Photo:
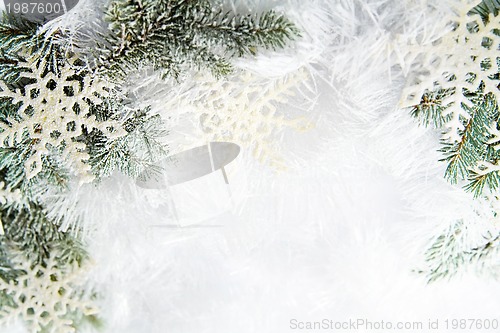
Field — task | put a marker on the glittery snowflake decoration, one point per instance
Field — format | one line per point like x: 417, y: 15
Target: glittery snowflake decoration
x: 460, y: 60
x: 243, y: 110
x: 47, y: 298
x: 53, y: 112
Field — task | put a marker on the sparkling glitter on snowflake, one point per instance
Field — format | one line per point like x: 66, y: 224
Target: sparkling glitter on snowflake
x: 461, y: 60
x: 53, y: 110
x: 47, y: 299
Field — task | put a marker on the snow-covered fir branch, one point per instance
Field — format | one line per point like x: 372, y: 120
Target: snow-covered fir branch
x: 64, y: 121
x: 456, y: 91
x: 175, y: 35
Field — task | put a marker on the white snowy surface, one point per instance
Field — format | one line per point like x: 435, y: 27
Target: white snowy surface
x: 337, y: 235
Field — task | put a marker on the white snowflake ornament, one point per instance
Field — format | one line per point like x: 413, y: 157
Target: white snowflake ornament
x: 47, y: 298
x: 244, y: 110
x: 461, y: 59
x: 53, y: 111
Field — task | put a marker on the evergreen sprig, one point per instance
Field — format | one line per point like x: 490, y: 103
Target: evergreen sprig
x: 16, y: 35
x: 444, y: 256
x: 29, y: 231
x: 485, y: 8
x: 465, y: 158
x: 172, y: 35
x: 449, y: 253
x: 431, y: 110
x: 473, y: 159
x: 132, y: 154
x: 169, y: 35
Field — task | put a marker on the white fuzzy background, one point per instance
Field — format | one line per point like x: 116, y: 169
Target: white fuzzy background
x: 337, y: 235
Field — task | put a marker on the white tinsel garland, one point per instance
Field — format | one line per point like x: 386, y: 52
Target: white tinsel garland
x: 337, y: 235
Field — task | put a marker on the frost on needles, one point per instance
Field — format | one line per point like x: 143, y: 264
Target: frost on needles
x: 456, y: 90
x: 65, y: 120
x: 175, y: 35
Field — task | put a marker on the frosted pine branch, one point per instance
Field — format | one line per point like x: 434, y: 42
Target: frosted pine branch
x: 455, y: 251
x: 176, y: 35
x: 455, y: 88
x: 462, y: 60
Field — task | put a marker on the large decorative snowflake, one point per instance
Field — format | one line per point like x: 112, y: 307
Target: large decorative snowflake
x: 460, y: 60
x: 54, y: 111
x: 243, y: 110
x: 47, y: 299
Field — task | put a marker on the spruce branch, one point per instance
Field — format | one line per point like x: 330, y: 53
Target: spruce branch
x: 29, y: 230
x: 479, y: 180
x: 464, y: 156
x: 7, y: 270
x: 463, y: 104
x: 485, y: 8
x: 451, y: 253
x: 432, y: 109
x: 133, y: 153
x: 443, y: 256
x: 57, y: 118
x: 172, y: 35
x: 16, y: 36
x: 475, y: 157
x: 464, y: 60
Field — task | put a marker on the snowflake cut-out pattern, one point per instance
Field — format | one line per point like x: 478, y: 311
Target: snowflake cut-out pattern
x: 53, y: 111
x: 47, y: 298
x: 243, y: 110
x: 460, y: 60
